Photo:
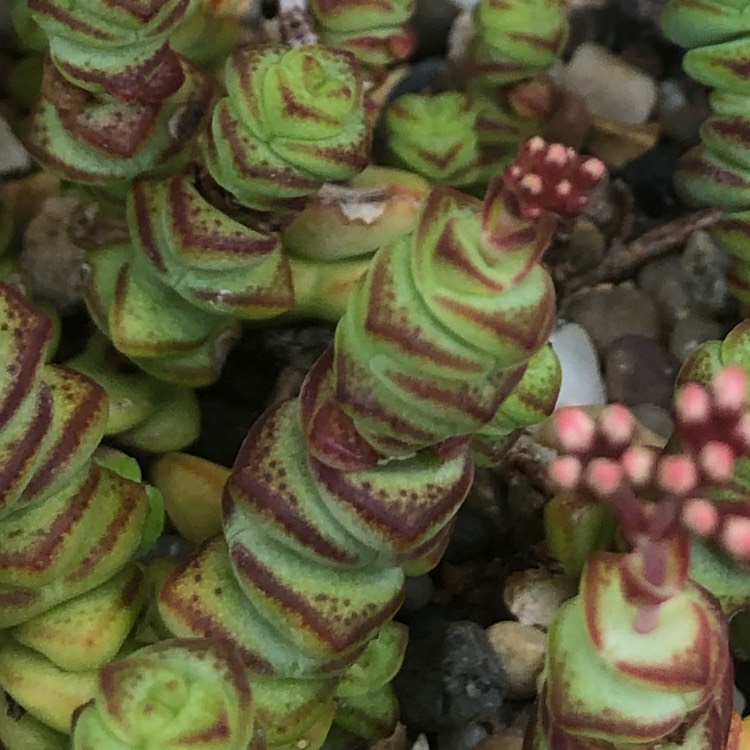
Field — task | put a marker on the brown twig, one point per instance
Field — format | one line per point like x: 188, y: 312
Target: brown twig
x: 623, y: 259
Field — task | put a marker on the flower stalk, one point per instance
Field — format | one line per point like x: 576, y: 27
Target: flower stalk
x: 640, y: 656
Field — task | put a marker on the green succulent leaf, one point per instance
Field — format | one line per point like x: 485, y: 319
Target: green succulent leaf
x: 376, y: 31
x: 515, y: 39
x: 175, y: 695
x: 435, y: 135
x: 292, y: 119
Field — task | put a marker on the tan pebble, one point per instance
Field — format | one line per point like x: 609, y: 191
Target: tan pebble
x: 520, y: 649
x: 534, y: 596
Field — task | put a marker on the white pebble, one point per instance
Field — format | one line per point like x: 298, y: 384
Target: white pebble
x: 612, y: 88
x: 13, y: 156
x: 582, y: 381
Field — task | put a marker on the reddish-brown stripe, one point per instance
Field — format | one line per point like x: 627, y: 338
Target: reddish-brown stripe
x: 185, y: 212
x: 397, y: 516
x: 143, y: 223
x: 54, y: 11
x: 40, y: 553
x: 200, y: 621
x: 394, y: 322
x: 132, y: 498
x: 336, y: 637
x: 31, y: 330
x: 24, y: 450
x: 89, y: 409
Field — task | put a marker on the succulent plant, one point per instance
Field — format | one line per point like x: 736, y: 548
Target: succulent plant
x: 515, y: 42
x: 335, y: 496
x: 174, y: 695
x: 291, y: 120
x: 717, y: 172
x: 72, y: 522
x: 640, y: 657
x: 377, y: 32
x: 435, y: 135
x: 144, y: 413
x: 205, y: 253
x: 117, y: 101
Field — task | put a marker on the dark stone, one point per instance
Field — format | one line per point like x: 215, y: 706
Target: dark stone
x: 742, y: 680
x: 640, y: 371
x: 524, y: 509
x: 705, y: 264
x: 650, y: 178
x: 664, y: 281
x: 471, y: 538
x: 432, y: 23
x: 449, y: 678
x: 418, y: 593
x: 608, y: 314
x: 644, y: 10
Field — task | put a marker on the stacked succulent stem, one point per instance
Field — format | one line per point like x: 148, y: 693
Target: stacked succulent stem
x: 377, y: 32
x: 515, y: 42
x: 465, y: 138
x: 640, y: 657
x: 117, y: 101
x: 72, y: 523
x: 717, y: 173
x: 205, y: 250
x: 337, y: 495
x: 175, y: 695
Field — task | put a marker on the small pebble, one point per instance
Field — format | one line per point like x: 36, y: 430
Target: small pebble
x: 13, y: 156
x: 471, y: 537
x: 612, y: 88
x: 644, y: 10
x: 168, y: 545
x: 450, y: 678
x: 607, y: 313
x: 740, y: 703
x: 533, y: 596
x: 649, y: 176
x: 432, y: 23
x: 525, y: 512
x: 521, y: 650
x: 654, y: 418
x: 638, y: 370
x: 461, y: 33
x: 582, y: 381
x: 618, y: 144
x: 664, y: 281
x: 705, y: 264
x: 681, y: 113
x: 418, y: 593
x: 692, y: 331
x: 586, y: 246
x: 52, y: 261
